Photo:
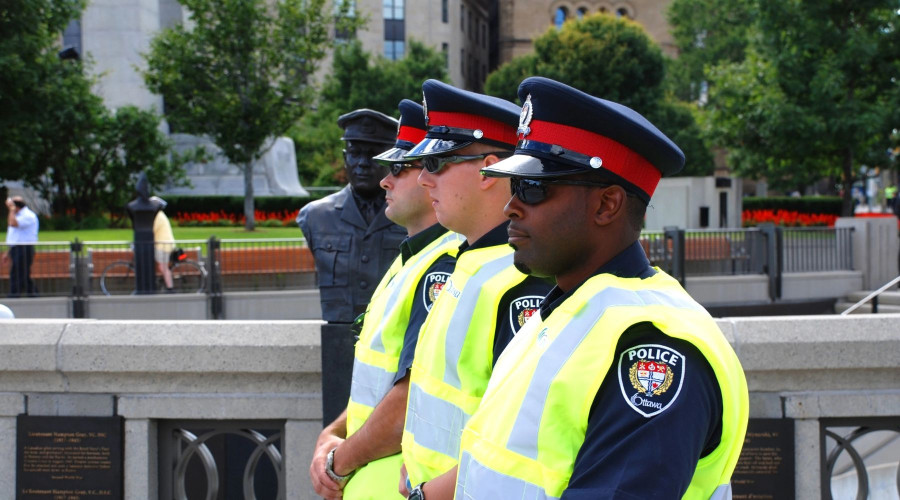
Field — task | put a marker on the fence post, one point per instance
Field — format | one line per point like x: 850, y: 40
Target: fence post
x: 214, y: 289
x: 675, y: 259
x: 774, y: 257
x: 78, y: 265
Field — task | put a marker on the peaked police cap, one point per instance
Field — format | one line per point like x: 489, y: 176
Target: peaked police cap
x: 368, y: 125
x: 410, y: 132
x: 563, y: 131
x: 457, y: 118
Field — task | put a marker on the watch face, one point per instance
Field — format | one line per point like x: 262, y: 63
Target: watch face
x: 416, y: 494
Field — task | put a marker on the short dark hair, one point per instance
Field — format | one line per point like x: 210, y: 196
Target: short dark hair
x: 19, y: 203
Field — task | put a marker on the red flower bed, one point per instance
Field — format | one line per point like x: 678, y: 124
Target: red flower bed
x: 222, y: 218
x: 788, y: 218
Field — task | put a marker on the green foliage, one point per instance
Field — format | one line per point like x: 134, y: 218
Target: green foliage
x: 357, y: 81
x: 816, y: 95
x: 240, y: 74
x: 614, y: 59
x: 707, y: 33
x: 830, y: 205
x: 58, y: 137
x: 234, y: 205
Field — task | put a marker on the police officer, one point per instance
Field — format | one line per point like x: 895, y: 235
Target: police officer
x: 622, y: 386
x: 359, y: 452
x: 353, y: 243
x: 486, y: 300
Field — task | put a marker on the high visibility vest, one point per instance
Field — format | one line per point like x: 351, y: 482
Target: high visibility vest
x: 523, y: 440
x: 377, y: 356
x: 454, y: 359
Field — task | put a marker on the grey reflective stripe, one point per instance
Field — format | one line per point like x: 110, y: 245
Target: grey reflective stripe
x: 370, y: 383
x: 435, y: 424
x: 524, y: 436
x: 475, y: 481
x: 398, y: 285
x: 723, y: 492
x: 458, y: 326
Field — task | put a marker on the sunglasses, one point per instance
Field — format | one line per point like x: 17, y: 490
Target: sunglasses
x: 396, y: 168
x: 534, y: 191
x: 434, y: 164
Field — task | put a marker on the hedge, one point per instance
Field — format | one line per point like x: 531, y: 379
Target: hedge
x: 830, y: 205
x: 234, y: 205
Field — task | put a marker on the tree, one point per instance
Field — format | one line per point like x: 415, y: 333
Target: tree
x: 816, y: 94
x: 356, y: 81
x: 240, y: 74
x: 614, y: 59
x: 59, y: 138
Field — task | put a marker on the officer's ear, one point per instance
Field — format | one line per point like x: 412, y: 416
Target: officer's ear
x: 608, y: 204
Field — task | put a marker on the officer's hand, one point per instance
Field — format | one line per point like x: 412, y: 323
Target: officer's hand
x: 325, y: 486
x: 403, y: 479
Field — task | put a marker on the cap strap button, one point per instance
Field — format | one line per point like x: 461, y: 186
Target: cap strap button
x: 596, y: 162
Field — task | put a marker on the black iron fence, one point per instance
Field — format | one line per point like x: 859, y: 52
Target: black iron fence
x: 859, y: 457
x: 83, y: 269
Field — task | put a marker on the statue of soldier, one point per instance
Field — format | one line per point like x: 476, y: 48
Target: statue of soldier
x: 353, y: 243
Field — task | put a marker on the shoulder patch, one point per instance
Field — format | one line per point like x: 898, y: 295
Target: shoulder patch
x: 434, y: 282
x: 522, y: 309
x: 650, y: 377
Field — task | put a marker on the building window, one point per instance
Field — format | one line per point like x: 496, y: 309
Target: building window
x: 623, y: 12
x: 344, y: 34
x: 581, y: 12
x: 445, y: 11
x: 72, y: 36
x: 560, y: 17
x: 394, y: 29
x: 394, y: 49
x: 445, y: 48
x: 484, y: 35
x: 462, y: 61
x: 471, y: 35
x: 462, y: 17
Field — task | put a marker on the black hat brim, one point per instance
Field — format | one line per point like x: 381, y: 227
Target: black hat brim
x: 434, y: 146
x: 530, y: 167
x: 393, y: 155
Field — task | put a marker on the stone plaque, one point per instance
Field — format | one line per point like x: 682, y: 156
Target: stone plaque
x: 765, y: 469
x: 69, y: 458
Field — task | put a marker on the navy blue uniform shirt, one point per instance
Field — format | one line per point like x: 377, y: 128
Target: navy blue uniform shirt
x: 424, y: 297
x: 625, y: 454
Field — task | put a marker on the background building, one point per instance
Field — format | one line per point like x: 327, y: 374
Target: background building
x: 521, y: 21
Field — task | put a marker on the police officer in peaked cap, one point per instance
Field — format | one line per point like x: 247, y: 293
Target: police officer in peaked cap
x: 358, y: 455
x: 486, y: 300
x: 621, y: 385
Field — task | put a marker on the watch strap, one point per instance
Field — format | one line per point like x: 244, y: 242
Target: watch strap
x: 329, y: 468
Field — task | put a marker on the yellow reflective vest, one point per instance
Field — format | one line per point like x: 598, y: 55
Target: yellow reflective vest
x: 523, y: 439
x: 377, y: 357
x: 454, y: 359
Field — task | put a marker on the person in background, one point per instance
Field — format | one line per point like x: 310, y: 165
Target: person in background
x: 163, y: 242
x: 21, y: 234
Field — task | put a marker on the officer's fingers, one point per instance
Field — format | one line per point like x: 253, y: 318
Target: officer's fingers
x: 326, y: 487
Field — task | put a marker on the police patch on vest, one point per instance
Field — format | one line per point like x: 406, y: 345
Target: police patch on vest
x: 650, y: 377
x: 434, y: 283
x: 521, y: 309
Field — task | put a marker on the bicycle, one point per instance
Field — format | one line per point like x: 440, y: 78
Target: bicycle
x: 188, y: 276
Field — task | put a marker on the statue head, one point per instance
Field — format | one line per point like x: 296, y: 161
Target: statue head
x: 367, y: 133
x: 142, y: 188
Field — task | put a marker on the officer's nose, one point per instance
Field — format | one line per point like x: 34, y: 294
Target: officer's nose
x: 426, y: 179
x: 386, y: 182
x: 513, y: 208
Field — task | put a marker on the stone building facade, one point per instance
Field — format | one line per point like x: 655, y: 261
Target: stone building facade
x: 521, y: 21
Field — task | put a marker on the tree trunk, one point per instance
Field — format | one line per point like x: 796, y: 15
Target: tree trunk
x: 847, y: 181
x: 249, y: 220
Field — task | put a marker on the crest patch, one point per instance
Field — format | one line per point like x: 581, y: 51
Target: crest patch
x: 434, y: 283
x: 522, y: 309
x: 650, y: 377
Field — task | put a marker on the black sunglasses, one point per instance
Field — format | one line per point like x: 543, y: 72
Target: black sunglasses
x: 434, y: 164
x: 396, y: 168
x: 534, y: 191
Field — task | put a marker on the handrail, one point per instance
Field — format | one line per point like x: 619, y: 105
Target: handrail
x: 871, y: 296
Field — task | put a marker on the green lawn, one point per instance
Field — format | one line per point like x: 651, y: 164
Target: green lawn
x: 181, y: 233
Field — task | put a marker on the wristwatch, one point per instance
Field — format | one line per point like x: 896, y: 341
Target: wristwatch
x: 417, y: 493
x: 329, y: 468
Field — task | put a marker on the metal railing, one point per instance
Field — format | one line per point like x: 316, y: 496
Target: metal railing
x: 84, y: 269
x: 860, y: 456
